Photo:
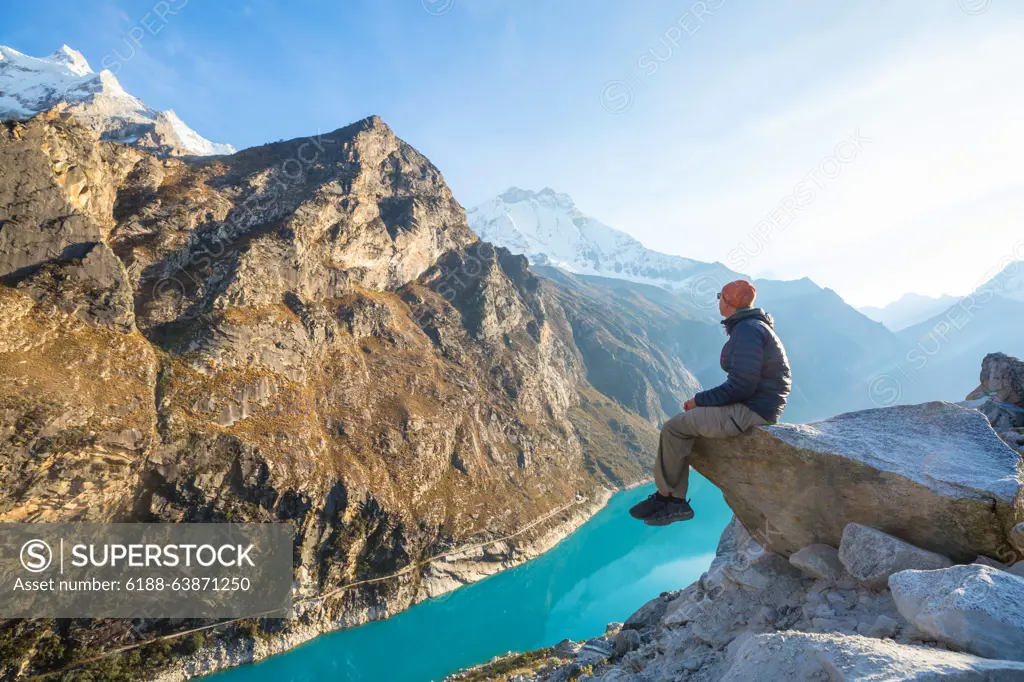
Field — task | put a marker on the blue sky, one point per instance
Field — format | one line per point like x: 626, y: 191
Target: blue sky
x: 687, y: 124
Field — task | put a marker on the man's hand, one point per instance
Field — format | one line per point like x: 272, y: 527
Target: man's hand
x: 689, y: 405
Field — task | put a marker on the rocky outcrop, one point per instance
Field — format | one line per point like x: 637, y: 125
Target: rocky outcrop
x: 1002, y: 378
x: 974, y: 608
x: 57, y: 191
x: 934, y: 475
x: 1000, y: 397
x: 751, y: 616
x: 810, y: 493
x: 95, y: 288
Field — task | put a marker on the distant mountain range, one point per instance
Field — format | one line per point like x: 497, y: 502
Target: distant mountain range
x: 909, y: 310
x: 836, y: 350
x: 843, y: 359
x: 64, y: 81
x: 943, y: 350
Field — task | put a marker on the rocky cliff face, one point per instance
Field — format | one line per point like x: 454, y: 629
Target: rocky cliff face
x: 307, y: 332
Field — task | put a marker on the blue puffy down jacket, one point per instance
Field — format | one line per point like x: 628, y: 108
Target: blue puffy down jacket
x: 754, y: 359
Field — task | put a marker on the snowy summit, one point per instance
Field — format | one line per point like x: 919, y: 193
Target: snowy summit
x: 30, y: 85
x: 548, y: 229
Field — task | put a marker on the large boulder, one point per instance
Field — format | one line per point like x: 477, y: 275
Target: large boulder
x: 871, y: 556
x: 1002, y: 379
x: 935, y: 475
x: 974, y: 608
x: 804, y: 656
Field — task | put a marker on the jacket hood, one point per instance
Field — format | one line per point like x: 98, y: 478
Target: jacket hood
x: 747, y: 314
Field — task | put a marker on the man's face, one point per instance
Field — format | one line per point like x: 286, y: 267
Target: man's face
x: 724, y: 308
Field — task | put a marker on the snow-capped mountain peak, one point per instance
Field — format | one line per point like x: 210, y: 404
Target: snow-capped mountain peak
x: 193, y: 140
x: 30, y: 85
x: 73, y: 59
x: 549, y: 229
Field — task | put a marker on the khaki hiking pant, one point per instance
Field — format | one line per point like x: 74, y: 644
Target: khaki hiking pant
x: 671, y: 469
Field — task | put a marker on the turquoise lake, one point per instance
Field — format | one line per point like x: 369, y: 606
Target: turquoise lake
x: 601, y: 573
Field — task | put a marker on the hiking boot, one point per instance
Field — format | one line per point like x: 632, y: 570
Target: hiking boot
x: 670, y: 512
x: 652, y: 504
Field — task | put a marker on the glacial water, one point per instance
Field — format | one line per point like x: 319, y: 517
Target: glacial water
x: 601, y: 573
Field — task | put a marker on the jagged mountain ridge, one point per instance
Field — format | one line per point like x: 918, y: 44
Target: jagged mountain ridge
x: 64, y: 80
x: 208, y: 339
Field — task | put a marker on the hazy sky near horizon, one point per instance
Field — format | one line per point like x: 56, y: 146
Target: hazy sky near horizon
x: 693, y: 126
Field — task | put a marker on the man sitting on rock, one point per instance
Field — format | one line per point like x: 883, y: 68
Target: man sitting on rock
x: 754, y: 393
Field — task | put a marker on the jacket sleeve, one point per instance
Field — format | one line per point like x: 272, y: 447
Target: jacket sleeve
x: 745, y: 373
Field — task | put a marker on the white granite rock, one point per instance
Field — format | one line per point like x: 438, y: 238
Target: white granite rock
x: 935, y: 475
x: 841, y: 658
x: 974, y: 608
x: 871, y: 556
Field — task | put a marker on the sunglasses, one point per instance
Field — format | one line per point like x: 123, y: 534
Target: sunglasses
x: 719, y: 295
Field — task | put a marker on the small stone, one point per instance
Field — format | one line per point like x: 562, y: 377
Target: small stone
x: 567, y: 647
x: 833, y: 625
x: 1017, y: 537
x: 824, y: 611
x: 883, y: 627
x: 691, y: 664
x: 634, y: 661
x: 819, y: 561
x: 626, y: 641
x: 594, y: 651
x: 836, y: 600
x: 986, y: 561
